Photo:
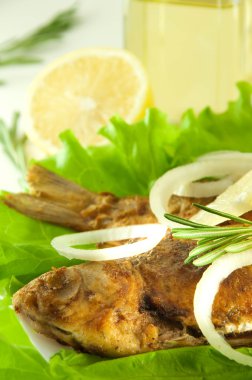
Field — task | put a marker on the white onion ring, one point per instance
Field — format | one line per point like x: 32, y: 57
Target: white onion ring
x: 167, y: 185
x: 209, y: 189
x: 205, y: 189
x: 226, y: 154
x: 152, y: 233
x: 204, y: 296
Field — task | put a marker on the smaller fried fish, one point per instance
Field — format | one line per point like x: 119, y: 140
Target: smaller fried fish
x: 56, y: 200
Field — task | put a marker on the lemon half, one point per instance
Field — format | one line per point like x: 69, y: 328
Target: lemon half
x: 81, y: 91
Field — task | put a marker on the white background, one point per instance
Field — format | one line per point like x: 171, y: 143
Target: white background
x: 100, y: 24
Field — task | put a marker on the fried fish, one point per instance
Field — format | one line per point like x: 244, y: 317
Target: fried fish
x: 125, y: 307
x: 57, y: 200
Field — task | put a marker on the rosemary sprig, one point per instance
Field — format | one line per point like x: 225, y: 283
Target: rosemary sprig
x: 213, y: 242
x: 13, y: 144
x: 18, y: 51
x: 18, y: 60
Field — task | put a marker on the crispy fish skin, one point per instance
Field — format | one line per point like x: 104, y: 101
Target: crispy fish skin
x: 95, y: 307
x: 183, y: 206
x: 56, y: 200
x: 91, y: 306
x: 45, y: 210
x: 232, y: 309
x: 124, y: 307
x: 47, y: 185
x: 170, y: 285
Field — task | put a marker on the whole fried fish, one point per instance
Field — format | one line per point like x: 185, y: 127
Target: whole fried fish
x: 124, y: 307
x: 56, y: 200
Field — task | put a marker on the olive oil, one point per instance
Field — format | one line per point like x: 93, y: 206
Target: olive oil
x: 194, y: 52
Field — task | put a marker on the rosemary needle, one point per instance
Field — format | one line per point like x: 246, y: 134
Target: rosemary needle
x: 200, y: 233
x: 19, y: 51
x: 13, y: 144
x: 224, y: 214
x: 213, y: 242
x: 208, y: 246
x: 209, y: 257
x: 186, y: 222
x: 239, y: 247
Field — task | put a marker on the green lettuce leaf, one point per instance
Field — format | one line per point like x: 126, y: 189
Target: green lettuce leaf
x: 210, y: 131
x: 134, y: 157
x: 25, y: 249
x: 138, y: 154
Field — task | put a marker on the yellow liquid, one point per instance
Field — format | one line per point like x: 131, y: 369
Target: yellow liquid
x: 194, y: 53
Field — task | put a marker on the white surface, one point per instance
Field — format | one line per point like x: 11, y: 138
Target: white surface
x: 47, y: 347
x: 100, y: 24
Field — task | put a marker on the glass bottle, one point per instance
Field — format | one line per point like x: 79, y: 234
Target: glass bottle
x: 194, y: 50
